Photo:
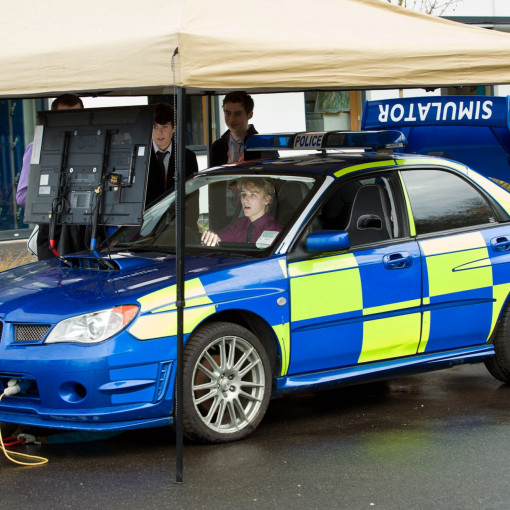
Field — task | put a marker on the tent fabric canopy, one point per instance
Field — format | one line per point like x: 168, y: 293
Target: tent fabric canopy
x: 116, y: 47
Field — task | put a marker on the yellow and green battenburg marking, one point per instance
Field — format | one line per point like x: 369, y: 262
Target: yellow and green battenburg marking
x: 462, y: 266
x: 456, y: 264
x: 334, y: 283
x: 161, y: 321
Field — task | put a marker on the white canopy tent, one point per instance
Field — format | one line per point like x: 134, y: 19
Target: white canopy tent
x: 119, y: 47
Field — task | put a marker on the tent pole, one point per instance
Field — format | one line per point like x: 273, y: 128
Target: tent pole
x: 209, y: 121
x: 180, y: 172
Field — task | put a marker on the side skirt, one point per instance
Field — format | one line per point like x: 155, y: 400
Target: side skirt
x: 389, y: 369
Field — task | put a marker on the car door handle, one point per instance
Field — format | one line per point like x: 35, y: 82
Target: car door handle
x: 398, y: 260
x: 500, y: 243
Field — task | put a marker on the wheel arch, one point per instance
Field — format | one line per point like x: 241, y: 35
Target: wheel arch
x: 258, y: 326
x: 499, y: 318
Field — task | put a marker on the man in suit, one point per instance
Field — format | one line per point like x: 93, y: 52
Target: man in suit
x: 230, y: 148
x: 162, y: 162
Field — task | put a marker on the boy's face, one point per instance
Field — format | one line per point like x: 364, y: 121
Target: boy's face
x: 162, y: 135
x: 236, y: 119
x: 254, y: 202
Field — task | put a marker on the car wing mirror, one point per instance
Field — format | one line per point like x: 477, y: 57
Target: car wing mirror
x: 327, y: 240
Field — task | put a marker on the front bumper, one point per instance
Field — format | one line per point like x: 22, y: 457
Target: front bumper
x: 119, y: 384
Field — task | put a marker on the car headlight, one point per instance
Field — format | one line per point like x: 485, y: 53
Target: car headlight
x: 93, y: 327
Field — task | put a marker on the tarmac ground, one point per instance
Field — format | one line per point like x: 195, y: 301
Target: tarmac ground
x: 437, y: 440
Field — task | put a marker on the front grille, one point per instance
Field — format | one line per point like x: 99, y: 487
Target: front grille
x: 30, y: 332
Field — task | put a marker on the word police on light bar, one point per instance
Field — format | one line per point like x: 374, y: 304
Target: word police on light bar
x: 323, y: 140
x: 308, y: 140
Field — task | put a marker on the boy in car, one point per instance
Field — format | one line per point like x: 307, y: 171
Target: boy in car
x: 257, y: 194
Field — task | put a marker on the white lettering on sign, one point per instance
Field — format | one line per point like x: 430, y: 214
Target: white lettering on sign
x: 424, y: 110
x: 383, y: 112
x: 453, y: 108
x: 410, y: 116
x: 412, y: 112
x: 437, y: 106
x: 486, y: 109
x: 397, y: 112
x: 308, y: 141
x: 466, y: 111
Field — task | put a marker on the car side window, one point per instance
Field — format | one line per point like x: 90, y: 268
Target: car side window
x: 365, y: 209
x: 441, y: 200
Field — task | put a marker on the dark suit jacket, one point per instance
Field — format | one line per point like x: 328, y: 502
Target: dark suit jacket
x: 219, y: 149
x: 156, y: 181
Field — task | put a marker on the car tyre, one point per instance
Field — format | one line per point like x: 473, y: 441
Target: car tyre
x: 226, y: 383
x: 499, y: 365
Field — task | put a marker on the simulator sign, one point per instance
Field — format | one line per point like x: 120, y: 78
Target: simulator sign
x: 437, y: 110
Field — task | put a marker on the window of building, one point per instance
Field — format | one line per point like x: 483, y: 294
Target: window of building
x: 332, y: 110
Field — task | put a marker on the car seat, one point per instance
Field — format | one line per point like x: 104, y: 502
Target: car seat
x: 289, y: 197
x: 370, y: 219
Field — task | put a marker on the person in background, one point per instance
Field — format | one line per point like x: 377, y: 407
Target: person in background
x: 62, y: 102
x: 230, y: 148
x: 162, y: 161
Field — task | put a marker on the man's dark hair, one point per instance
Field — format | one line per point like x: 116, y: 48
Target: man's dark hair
x: 164, y: 114
x: 242, y: 97
x: 67, y: 100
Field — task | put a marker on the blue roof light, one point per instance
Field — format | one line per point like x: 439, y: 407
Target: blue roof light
x: 268, y: 142
x: 323, y: 140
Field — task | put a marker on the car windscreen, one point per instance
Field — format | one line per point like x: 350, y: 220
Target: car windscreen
x: 243, y: 214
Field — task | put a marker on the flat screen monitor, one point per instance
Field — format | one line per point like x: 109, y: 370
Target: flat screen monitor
x: 91, y: 162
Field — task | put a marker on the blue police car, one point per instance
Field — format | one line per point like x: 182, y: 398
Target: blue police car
x: 350, y: 264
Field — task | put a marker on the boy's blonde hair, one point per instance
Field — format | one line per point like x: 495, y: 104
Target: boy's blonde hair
x: 260, y: 183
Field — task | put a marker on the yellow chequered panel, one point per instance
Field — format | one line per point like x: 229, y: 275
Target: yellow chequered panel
x: 390, y: 307
x: 283, y: 267
x: 447, y: 275
x: 391, y: 337
x: 457, y: 264
x: 157, y: 325
x: 459, y: 242
x: 425, y: 331
x: 322, y: 265
x: 166, y: 297
x: 323, y: 294
x: 282, y: 332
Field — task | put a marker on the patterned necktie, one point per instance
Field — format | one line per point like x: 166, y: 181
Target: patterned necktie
x: 237, y: 151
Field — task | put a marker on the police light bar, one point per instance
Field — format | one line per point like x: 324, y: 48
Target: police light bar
x: 323, y: 140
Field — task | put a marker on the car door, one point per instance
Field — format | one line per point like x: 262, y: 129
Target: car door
x: 363, y: 304
x: 459, y: 238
